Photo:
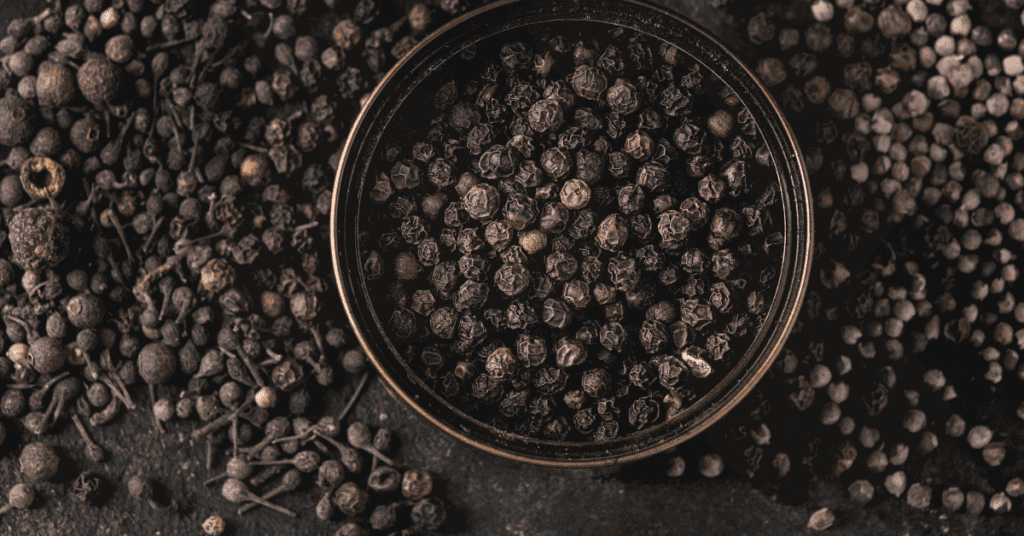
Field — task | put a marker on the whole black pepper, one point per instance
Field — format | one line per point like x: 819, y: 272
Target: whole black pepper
x: 350, y: 499
x: 428, y: 514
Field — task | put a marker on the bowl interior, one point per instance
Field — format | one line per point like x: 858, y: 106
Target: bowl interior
x: 410, y: 85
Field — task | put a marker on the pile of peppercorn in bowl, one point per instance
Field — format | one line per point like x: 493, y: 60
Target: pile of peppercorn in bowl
x: 571, y: 234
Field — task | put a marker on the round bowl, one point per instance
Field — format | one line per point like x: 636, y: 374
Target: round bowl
x: 348, y: 209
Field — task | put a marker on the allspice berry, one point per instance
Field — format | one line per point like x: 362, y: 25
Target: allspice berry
x: 21, y: 495
x: 39, y: 461
x: 17, y: 121
x: 47, y: 355
x: 86, y: 133
x: 11, y: 193
x: 85, y: 311
x: 40, y: 238
x: 157, y: 363
x: 55, y: 85
x: 120, y: 48
x: 100, y: 80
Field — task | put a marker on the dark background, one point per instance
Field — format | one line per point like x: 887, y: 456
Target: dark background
x: 486, y: 495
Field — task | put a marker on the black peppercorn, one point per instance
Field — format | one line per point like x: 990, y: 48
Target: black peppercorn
x: 428, y: 514
x: 544, y: 115
x: 771, y: 71
x: 623, y: 97
x: 288, y: 376
x: 760, y: 29
x: 350, y: 499
x: 416, y: 484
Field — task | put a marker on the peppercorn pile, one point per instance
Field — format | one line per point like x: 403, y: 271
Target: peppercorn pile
x: 532, y: 228
x: 903, y: 377
x: 168, y: 171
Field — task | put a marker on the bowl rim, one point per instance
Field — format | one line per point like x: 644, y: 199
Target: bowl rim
x: 795, y: 266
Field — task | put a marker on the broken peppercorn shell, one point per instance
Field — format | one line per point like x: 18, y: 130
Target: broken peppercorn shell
x: 214, y: 525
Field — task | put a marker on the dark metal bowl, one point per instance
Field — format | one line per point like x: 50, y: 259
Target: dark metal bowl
x: 401, y: 84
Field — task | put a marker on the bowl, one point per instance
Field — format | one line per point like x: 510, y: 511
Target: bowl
x: 403, y: 83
